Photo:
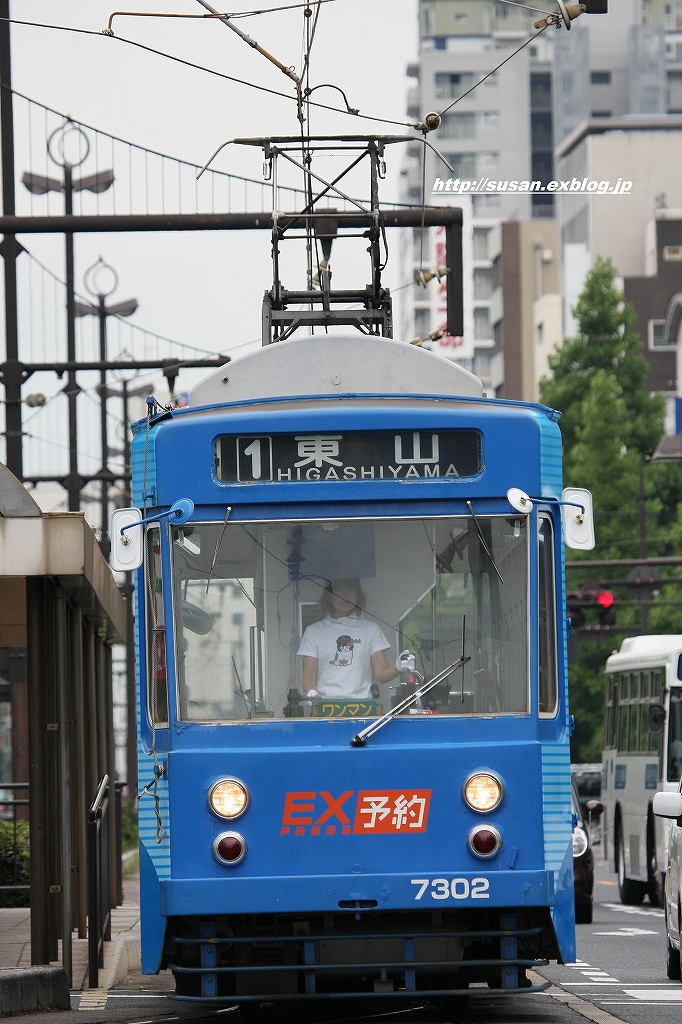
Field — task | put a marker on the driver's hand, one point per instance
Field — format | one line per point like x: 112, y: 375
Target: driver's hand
x: 405, y: 662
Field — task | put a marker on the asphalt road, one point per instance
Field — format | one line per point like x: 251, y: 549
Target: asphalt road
x: 621, y: 965
x: 619, y: 975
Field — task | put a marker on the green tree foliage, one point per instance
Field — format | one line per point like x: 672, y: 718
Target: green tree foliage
x: 129, y: 831
x: 609, y: 424
x: 14, y: 862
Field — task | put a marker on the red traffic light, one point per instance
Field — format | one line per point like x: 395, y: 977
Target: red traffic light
x: 605, y: 599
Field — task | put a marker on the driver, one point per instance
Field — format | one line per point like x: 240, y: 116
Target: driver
x: 342, y: 651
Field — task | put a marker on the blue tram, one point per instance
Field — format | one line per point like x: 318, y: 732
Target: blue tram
x: 395, y: 838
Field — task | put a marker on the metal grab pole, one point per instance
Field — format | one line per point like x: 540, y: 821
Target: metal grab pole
x: 64, y: 780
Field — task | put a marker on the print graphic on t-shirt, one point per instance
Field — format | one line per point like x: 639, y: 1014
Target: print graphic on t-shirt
x: 344, y: 650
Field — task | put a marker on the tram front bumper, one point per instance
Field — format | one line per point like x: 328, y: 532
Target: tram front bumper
x: 237, y: 894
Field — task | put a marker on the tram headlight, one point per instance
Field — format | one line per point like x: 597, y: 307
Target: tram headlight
x: 580, y: 843
x: 228, y: 798
x: 483, y: 792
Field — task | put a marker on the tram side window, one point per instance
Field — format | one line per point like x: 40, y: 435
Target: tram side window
x: 547, y: 670
x: 157, y: 681
x: 675, y: 737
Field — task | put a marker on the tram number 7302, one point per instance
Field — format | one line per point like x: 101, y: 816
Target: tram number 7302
x: 455, y: 888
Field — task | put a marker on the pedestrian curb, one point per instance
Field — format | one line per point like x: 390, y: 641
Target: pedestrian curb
x: 25, y: 989
x: 121, y: 956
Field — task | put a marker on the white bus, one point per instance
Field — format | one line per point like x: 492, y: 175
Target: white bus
x: 642, y: 756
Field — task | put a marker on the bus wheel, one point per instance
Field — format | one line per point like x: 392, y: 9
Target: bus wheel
x: 630, y: 891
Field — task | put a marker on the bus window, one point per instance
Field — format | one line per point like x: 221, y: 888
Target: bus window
x: 547, y: 676
x: 656, y: 685
x: 157, y: 683
x: 623, y: 732
x: 644, y: 727
x: 624, y: 692
x: 679, y: 667
x: 675, y: 737
x: 608, y: 728
x: 644, y: 685
x: 634, y: 686
x: 609, y: 689
x: 634, y: 727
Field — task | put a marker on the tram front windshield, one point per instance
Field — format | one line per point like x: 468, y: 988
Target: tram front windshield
x: 255, y: 603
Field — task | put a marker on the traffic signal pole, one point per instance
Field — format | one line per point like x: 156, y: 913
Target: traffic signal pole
x: 9, y: 250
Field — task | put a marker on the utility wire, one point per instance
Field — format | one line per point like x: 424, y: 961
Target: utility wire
x: 117, y: 316
x: 274, y: 10
x: 209, y: 71
x: 476, y: 85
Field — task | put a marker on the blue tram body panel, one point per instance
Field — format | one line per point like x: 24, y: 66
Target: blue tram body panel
x: 352, y: 856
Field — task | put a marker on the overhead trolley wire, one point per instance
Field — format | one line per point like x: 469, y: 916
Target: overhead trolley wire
x: 210, y: 71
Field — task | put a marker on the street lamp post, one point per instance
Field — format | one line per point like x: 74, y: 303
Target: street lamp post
x: 100, y: 288
x: 60, y: 148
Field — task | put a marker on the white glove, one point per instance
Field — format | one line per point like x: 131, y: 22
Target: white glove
x: 312, y: 693
x: 405, y: 662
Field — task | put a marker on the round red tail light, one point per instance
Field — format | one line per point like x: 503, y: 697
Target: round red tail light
x: 229, y: 848
x: 484, y: 841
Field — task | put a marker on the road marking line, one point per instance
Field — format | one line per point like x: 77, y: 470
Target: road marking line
x: 633, y: 910
x: 642, y: 1002
x: 574, y: 1002
x: 656, y: 994
x: 93, y: 999
x: 629, y: 932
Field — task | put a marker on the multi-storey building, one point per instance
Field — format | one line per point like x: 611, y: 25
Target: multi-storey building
x: 613, y: 72
x: 501, y: 130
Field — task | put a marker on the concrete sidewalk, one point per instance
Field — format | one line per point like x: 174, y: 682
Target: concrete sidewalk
x: 121, y: 955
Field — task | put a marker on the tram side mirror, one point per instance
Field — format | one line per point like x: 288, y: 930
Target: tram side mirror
x: 578, y: 519
x: 126, y: 538
x: 668, y: 805
x: 656, y: 718
x: 126, y: 548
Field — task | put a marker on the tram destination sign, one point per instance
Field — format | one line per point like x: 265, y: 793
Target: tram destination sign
x: 409, y: 455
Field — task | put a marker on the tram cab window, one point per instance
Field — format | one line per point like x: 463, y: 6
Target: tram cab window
x: 547, y: 666
x: 244, y: 593
x: 157, y: 682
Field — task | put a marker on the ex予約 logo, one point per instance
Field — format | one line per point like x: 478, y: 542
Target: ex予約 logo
x: 368, y: 812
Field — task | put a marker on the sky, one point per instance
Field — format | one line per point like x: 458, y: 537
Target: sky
x: 202, y: 289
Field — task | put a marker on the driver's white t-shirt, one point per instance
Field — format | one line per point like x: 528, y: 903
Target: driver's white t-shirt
x: 343, y: 648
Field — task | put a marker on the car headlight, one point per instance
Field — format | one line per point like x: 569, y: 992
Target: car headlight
x: 580, y: 842
x: 483, y: 791
x: 228, y: 798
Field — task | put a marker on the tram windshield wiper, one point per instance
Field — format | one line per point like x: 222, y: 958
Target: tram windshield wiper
x: 485, y: 547
x: 361, y: 738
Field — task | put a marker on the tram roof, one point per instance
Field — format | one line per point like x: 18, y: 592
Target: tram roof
x: 335, y: 363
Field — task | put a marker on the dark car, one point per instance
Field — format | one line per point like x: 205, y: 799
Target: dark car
x: 583, y: 858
